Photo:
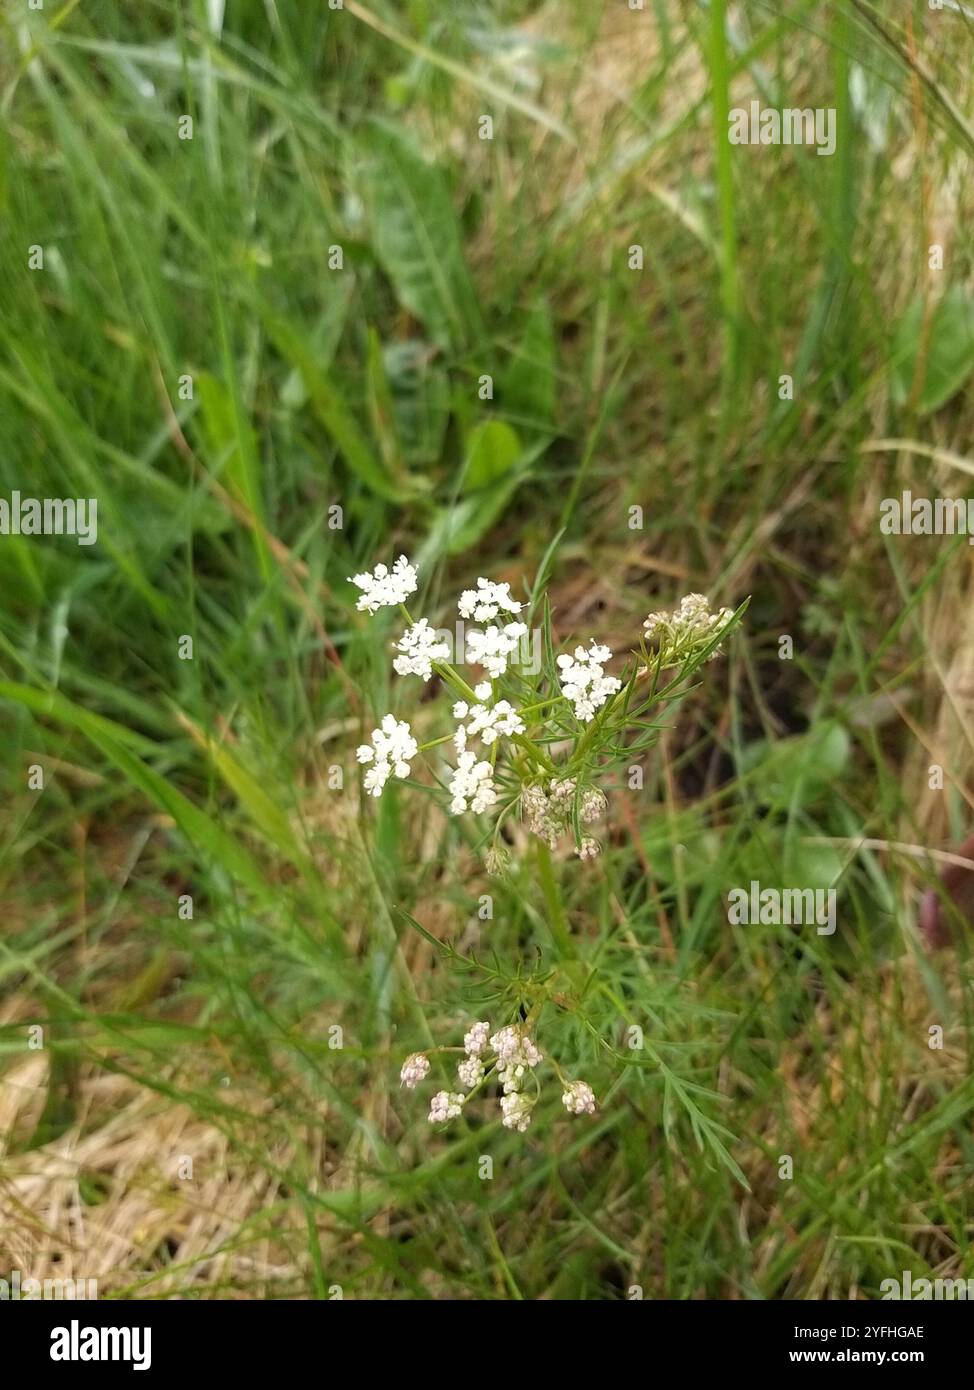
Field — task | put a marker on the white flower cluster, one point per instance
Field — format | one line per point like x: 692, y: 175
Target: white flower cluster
x: 419, y: 647
x: 417, y: 651
x: 445, y: 1105
x: 514, y: 1055
x: 486, y: 601
x: 516, y: 1108
x: 480, y: 782
x: 472, y: 785
x: 549, y: 814
x: 691, y: 627
x: 496, y: 859
x: 391, y: 750
x: 470, y: 1071
x: 475, y: 1039
x: 494, y: 648
x: 579, y: 1098
x: 385, y: 588
x: 414, y: 1070
x: 489, y: 721
x: 584, y: 682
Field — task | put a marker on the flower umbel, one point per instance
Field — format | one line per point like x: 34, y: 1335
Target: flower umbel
x: 549, y: 814
x: 470, y: 1071
x: 509, y: 1057
x: 475, y: 1040
x: 486, y: 601
x: 517, y: 1109
x: 419, y: 647
x: 391, y: 750
x: 686, y: 632
x: 549, y: 732
x: 584, y: 682
x: 494, y: 648
x: 445, y: 1105
x: 385, y: 588
x: 490, y: 721
x: 471, y: 785
x: 414, y: 1070
x: 579, y: 1098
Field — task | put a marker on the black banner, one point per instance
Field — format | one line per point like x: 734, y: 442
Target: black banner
x: 173, y: 1336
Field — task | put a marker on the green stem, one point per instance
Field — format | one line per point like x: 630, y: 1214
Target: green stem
x: 557, y: 919
x: 533, y: 709
x: 730, y: 292
x: 454, y: 680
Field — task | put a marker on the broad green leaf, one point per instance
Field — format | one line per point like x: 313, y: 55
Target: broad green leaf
x: 323, y: 340
x: 797, y: 767
x: 811, y: 866
x: 329, y: 406
x: 381, y: 411
x: 946, y: 346
x: 528, y: 385
x: 420, y: 399
x: 492, y: 451
x: 416, y: 236
x: 461, y: 526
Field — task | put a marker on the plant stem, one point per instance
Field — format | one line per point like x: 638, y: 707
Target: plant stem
x: 730, y: 292
x: 557, y: 920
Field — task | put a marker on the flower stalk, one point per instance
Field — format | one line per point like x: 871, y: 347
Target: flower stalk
x: 502, y: 765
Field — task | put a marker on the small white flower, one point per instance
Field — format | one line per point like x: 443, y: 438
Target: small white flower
x: 496, y: 860
x: 445, y: 1105
x: 562, y: 791
x: 420, y: 647
x: 690, y: 627
x: 460, y: 709
x: 475, y: 1039
x: 494, y: 648
x: 506, y: 1042
x: 385, y: 588
x: 511, y: 1077
x: 514, y: 1048
x: 483, y: 690
x: 592, y: 802
x: 579, y: 1098
x: 517, y: 1111
x: 472, y: 785
x: 550, y: 815
x: 544, y: 817
x: 486, y: 601
x: 584, y: 682
x: 390, y: 751
x: 414, y: 1070
x: 492, y: 721
x: 470, y: 1071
